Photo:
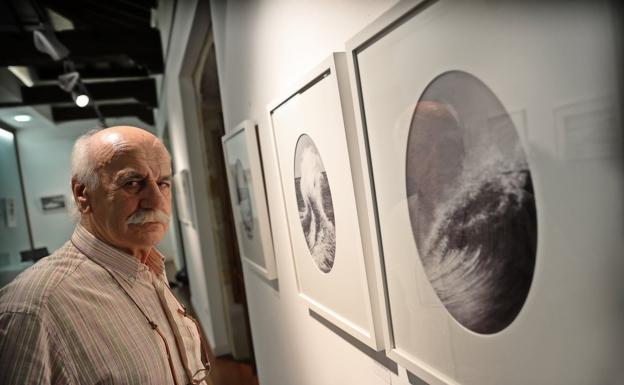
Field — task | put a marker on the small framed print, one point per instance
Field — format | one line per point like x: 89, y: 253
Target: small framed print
x: 248, y: 196
x: 335, y: 275
x: 185, y: 202
x: 53, y: 202
x: 10, y: 212
x: 491, y: 242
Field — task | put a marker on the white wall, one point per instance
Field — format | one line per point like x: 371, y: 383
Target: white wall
x: 262, y: 48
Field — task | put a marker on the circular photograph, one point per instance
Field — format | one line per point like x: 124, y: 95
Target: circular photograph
x: 471, y: 202
x: 244, y: 198
x: 314, y: 200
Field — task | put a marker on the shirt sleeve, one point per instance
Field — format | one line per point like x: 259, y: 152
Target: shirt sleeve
x: 27, y: 352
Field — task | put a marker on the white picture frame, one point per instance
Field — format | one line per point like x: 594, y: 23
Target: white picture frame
x: 391, y: 64
x: 243, y: 163
x: 184, y: 197
x: 340, y: 287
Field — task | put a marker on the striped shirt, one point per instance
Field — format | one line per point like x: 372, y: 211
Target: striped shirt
x: 66, y: 320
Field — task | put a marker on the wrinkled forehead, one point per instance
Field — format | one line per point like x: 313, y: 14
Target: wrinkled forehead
x: 147, y: 156
x: 129, y: 140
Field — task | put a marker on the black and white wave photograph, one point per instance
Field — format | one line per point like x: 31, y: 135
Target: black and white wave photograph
x: 471, y: 202
x: 314, y: 201
x: 243, y: 198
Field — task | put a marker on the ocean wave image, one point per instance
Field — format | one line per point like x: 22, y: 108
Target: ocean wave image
x: 314, y: 201
x: 243, y: 198
x: 471, y: 202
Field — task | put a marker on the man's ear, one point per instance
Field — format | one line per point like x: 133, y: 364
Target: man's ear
x: 80, y: 196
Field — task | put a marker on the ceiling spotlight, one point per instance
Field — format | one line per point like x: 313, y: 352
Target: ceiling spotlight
x: 23, y: 74
x: 46, y: 42
x: 81, y: 100
x: 70, y: 82
x: 22, y: 118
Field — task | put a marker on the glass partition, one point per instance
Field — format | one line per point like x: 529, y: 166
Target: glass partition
x: 14, y: 227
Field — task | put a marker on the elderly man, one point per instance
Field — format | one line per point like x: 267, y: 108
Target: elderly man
x: 98, y: 310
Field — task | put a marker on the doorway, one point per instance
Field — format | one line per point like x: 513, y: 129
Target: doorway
x: 206, y: 86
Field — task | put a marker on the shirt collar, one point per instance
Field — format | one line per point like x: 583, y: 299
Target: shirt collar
x: 113, y: 259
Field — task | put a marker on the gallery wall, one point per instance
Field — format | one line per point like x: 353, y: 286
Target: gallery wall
x: 264, y: 47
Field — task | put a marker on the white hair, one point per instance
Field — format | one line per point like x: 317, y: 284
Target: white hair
x: 83, y: 167
x: 83, y: 162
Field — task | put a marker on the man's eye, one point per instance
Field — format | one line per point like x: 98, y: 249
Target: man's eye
x: 164, y: 185
x: 132, y: 185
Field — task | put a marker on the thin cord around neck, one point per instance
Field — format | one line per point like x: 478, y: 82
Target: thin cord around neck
x: 151, y: 323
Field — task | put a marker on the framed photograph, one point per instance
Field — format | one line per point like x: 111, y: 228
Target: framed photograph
x: 247, y: 193
x: 52, y: 203
x: 487, y: 270
x: 335, y: 275
x: 185, y: 202
x: 10, y: 214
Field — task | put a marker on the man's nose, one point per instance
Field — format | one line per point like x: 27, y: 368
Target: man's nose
x: 152, y: 197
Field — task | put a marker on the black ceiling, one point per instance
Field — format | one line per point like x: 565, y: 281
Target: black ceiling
x: 112, y: 45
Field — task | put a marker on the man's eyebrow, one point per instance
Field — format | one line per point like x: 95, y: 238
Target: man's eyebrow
x: 126, y: 175
x: 166, y: 178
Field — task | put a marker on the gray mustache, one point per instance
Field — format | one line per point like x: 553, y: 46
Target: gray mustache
x: 146, y: 216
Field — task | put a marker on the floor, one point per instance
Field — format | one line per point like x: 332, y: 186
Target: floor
x: 225, y: 369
